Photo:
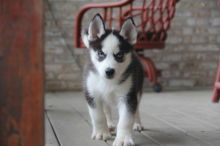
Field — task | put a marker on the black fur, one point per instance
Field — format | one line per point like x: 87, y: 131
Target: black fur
x: 134, y: 70
x: 101, y: 55
x: 89, y: 99
x: 96, y: 44
x: 124, y: 46
x: 89, y: 67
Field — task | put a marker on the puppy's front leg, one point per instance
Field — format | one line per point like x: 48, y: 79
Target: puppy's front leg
x: 124, y: 127
x: 99, y: 124
x: 108, y: 115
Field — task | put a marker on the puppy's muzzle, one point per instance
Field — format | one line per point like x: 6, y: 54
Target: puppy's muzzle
x: 110, y: 72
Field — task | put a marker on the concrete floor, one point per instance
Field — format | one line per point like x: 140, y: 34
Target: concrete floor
x: 170, y: 119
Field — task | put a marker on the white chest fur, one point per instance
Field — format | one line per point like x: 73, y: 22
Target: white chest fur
x: 106, y: 89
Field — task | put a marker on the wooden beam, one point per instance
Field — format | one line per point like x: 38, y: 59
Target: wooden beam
x: 21, y: 73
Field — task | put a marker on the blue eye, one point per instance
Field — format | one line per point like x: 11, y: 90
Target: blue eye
x: 119, y: 57
x: 101, y: 55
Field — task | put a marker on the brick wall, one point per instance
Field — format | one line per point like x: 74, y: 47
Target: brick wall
x: 188, y: 61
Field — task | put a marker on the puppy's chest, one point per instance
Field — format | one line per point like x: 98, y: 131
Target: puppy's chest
x: 98, y: 86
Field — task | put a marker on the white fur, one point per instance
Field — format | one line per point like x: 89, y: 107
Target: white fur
x: 99, y: 124
x: 85, y: 40
x: 102, y: 88
x: 108, y: 92
x: 137, y: 121
x: 124, y: 127
x: 107, y: 111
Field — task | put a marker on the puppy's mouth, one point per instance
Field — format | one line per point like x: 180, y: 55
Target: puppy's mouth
x: 109, y: 77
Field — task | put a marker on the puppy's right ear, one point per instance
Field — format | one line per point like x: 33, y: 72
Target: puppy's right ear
x: 96, y: 28
x: 85, y: 39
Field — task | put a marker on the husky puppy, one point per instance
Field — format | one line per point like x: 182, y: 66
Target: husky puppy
x: 113, y: 76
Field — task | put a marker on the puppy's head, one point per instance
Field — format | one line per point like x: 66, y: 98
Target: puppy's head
x: 110, y: 50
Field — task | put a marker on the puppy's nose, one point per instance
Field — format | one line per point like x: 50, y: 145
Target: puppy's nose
x: 110, y: 73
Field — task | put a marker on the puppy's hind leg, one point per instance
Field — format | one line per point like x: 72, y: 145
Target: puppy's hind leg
x: 100, y: 128
x: 137, y: 122
x: 108, y: 115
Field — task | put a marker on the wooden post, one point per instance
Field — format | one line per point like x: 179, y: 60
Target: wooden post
x: 21, y: 73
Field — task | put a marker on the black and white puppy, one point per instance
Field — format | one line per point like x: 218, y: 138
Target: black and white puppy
x: 113, y: 76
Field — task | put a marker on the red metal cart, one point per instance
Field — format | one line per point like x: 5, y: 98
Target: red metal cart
x: 154, y: 17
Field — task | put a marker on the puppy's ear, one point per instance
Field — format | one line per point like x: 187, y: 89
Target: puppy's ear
x: 128, y: 31
x: 84, y: 36
x: 96, y: 28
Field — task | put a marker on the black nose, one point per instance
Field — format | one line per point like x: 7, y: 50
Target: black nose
x: 109, y: 73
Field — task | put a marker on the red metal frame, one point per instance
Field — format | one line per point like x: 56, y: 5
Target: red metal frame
x: 216, y: 91
x: 153, y: 17
x: 149, y: 69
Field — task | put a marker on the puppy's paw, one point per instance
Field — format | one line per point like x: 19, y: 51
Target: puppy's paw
x: 111, y: 126
x: 138, y: 127
x: 126, y: 141
x: 101, y: 135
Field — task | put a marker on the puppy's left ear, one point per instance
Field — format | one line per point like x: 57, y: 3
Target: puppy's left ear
x: 96, y: 27
x: 129, y: 31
